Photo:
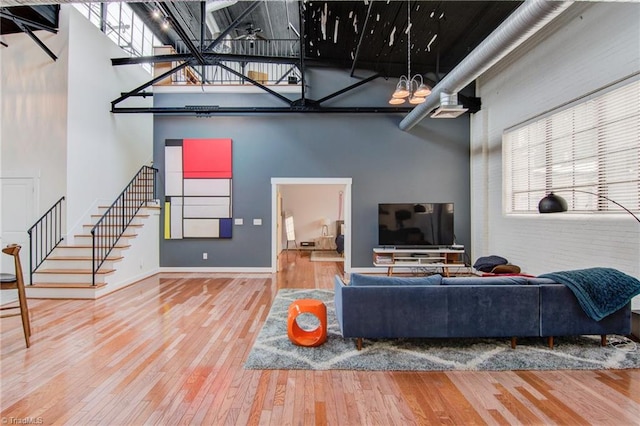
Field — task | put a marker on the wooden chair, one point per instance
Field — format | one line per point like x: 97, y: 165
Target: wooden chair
x: 13, y: 282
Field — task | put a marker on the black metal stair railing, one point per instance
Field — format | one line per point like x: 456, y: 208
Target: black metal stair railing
x: 44, y: 236
x: 110, y: 227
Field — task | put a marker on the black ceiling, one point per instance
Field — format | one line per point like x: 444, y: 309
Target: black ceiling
x: 370, y: 34
x: 36, y: 17
x: 456, y: 28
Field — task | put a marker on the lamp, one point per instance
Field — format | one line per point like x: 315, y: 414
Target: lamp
x: 553, y: 203
x: 409, y: 87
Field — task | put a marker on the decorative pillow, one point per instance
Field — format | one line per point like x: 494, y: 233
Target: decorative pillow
x: 493, y: 280
x: 487, y: 263
x: 506, y: 269
x: 358, y: 280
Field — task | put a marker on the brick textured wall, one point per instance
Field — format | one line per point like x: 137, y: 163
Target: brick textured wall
x: 589, y: 47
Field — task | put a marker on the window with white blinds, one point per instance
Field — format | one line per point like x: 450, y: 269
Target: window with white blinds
x: 593, y: 145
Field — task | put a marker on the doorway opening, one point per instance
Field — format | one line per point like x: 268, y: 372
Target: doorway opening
x: 277, y: 221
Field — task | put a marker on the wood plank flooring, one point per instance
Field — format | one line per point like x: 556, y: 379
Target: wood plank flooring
x: 170, y: 350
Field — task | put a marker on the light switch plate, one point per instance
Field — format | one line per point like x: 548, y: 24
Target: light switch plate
x: 257, y: 221
x: 238, y: 221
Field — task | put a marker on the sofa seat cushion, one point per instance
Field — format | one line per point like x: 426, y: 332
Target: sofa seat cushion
x: 492, y: 280
x: 358, y: 280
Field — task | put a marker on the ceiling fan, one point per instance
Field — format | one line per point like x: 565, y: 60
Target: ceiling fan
x: 251, y: 33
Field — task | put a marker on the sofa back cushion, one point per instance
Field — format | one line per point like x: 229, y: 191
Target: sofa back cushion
x: 358, y: 280
x: 493, y: 280
x: 541, y: 281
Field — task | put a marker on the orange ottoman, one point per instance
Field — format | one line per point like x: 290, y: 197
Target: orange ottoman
x: 303, y: 337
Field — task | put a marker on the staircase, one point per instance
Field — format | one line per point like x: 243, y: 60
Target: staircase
x: 68, y: 272
x: 86, y: 265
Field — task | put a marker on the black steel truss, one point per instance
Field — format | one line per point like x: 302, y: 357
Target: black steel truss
x: 201, y: 57
x: 212, y: 110
x: 209, y: 59
x: 26, y: 25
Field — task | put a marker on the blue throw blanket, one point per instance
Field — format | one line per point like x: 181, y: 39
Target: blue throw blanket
x: 600, y: 291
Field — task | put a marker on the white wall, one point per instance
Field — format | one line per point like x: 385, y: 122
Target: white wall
x: 588, y: 47
x: 309, y: 204
x: 57, y: 131
x: 34, y: 113
x: 104, y: 150
x: 142, y: 258
x: 32, y: 137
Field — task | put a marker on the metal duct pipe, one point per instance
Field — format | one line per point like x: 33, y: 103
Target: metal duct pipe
x: 522, y: 24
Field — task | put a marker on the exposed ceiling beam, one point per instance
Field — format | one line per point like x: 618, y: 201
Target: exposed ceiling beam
x: 211, y: 110
x: 255, y: 83
x: 26, y: 25
x: 209, y: 58
x: 39, y: 42
x: 32, y: 24
x: 346, y: 89
x: 182, y: 33
x: 233, y: 25
x: 147, y: 84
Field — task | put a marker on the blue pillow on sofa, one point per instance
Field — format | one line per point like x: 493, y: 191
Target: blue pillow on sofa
x: 493, y: 280
x: 358, y: 280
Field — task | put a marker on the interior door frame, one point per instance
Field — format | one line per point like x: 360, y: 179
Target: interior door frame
x: 277, y: 182
x: 31, y: 190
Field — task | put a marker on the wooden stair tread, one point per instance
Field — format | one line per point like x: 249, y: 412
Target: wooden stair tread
x: 71, y: 285
x: 84, y: 246
x: 89, y: 235
x: 106, y: 207
x: 71, y: 258
x: 74, y: 271
x: 137, y: 215
x: 135, y: 225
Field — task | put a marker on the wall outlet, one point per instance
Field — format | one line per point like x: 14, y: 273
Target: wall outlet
x: 205, y: 256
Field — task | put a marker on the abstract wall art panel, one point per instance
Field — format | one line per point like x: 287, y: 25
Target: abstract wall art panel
x: 198, y: 179
x: 202, y: 207
x: 207, y: 187
x: 201, y: 161
x: 201, y: 228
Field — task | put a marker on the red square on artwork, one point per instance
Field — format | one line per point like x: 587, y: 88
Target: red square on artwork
x: 206, y: 158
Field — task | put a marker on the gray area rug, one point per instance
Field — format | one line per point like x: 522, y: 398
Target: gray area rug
x: 273, y: 350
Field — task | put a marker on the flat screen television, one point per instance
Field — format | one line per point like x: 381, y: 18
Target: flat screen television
x: 415, y: 224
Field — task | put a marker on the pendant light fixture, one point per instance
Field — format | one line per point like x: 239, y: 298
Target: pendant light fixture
x: 410, y: 87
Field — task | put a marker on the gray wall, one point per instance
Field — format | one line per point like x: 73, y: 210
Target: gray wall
x: 428, y: 164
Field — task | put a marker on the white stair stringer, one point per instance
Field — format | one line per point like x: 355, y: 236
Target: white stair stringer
x: 66, y: 273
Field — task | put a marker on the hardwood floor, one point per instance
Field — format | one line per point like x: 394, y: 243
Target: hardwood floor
x: 170, y: 350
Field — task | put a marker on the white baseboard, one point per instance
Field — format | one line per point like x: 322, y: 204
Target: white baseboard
x: 248, y: 270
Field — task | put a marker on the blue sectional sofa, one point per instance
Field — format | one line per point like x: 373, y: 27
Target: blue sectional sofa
x: 512, y: 306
